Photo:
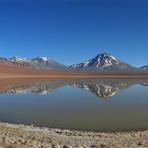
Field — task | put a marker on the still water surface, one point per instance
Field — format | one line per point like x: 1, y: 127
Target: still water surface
x: 97, y: 104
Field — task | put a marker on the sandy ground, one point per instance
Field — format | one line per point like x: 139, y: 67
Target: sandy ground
x: 22, y: 136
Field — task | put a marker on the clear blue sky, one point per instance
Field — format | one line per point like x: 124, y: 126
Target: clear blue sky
x: 74, y: 31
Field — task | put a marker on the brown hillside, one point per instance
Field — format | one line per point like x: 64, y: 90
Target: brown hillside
x: 14, y: 69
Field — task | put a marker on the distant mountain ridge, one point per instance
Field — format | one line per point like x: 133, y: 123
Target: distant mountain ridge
x: 7, y: 62
x: 102, y: 63
x: 43, y: 63
x: 8, y: 67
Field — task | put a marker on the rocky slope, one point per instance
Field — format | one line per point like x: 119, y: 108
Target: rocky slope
x: 11, y: 67
x: 105, y: 62
x: 43, y: 63
x: 7, y: 62
x: 144, y: 67
x: 102, y: 63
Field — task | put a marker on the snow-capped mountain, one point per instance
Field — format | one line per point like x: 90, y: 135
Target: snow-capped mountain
x: 7, y: 63
x: 43, y: 63
x: 104, y: 62
x: 144, y: 67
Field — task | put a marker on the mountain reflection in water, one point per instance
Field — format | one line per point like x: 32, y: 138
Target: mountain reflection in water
x: 103, y: 88
x: 74, y: 108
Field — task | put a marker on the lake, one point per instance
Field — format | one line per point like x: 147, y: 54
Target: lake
x: 91, y: 104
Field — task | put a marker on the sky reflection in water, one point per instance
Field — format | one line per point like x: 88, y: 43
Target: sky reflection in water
x: 100, y: 104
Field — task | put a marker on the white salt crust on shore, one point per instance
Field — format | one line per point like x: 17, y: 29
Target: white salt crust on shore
x: 22, y: 136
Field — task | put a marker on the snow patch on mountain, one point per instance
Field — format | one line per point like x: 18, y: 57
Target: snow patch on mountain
x: 44, y: 58
x: 144, y: 67
x: 104, y: 62
x: 20, y: 59
x: 44, y: 63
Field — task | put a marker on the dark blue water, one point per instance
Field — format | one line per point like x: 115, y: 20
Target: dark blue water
x: 98, y: 105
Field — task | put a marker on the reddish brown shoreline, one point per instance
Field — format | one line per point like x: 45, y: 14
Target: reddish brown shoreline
x: 69, y: 75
